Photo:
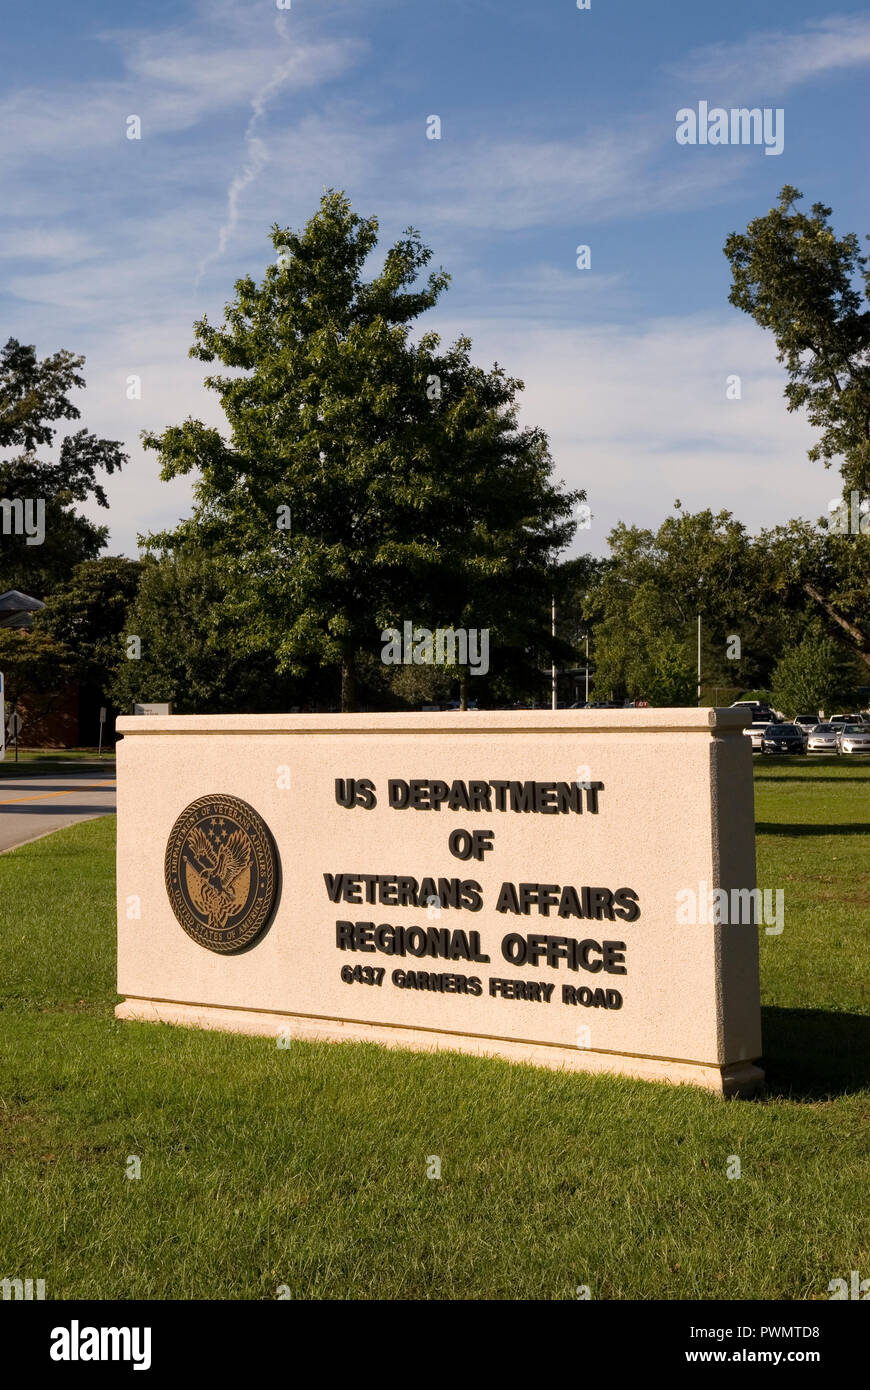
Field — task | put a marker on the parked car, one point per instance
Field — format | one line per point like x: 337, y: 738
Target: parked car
x: 783, y: 738
x: 824, y: 738
x: 758, y: 711
x: 839, y: 719
x: 806, y: 721
x: 854, y: 738
x: 756, y: 732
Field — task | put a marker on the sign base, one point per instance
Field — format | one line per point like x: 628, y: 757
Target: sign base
x: 742, y: 1079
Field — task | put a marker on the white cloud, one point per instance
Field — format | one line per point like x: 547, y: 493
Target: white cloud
x: 488, y: 186
x: 40, y: 243
x: 171, y: 80
x: 504, y: 186
x: 542, y: 284
x: 638, y: 416
x: 773, y: 62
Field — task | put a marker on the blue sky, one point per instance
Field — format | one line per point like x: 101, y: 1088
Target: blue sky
x: 558, y: 128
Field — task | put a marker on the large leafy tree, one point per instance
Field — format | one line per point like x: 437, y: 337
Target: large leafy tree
x: 641, y: 649
x: 87, y: 615
x: 37, y: 667
x: 645, y: 603
x: 763, y: 590
x: 814, y: 673
x: 796, y: 278
x: 367, y: 478
x: 810, y: 289
x: 810, y: 566
x: 187, y: 650
x: 496, y: 522
x: 34, y: 396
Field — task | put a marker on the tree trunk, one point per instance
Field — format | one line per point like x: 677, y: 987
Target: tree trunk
x: 348, y: 683
x: 463, y: 691
x: 861, y: 640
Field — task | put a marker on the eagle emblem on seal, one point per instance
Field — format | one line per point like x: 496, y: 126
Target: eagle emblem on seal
x: 221, y: 869
x: 218, y: 879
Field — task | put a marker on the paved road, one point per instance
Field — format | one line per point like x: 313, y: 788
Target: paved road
x: 34, y: 806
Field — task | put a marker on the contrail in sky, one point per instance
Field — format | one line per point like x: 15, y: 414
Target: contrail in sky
x: 256, y: 157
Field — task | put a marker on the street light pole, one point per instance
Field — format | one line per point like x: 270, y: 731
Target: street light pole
x: 553, y: 667
x: 699, y: 659
x: 587, y: 668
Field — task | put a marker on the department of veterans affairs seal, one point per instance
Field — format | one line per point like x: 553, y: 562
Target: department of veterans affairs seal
x: 221, y: 871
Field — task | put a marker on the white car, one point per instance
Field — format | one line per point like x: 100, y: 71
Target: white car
x: 824, y: 738
x: 854, y: 738
x: 756, y: 733
x: 807, y: 722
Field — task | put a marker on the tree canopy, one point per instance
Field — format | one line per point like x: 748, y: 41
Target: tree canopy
x: 367, y: 477
x: 34, y: 396
x: 813, y: 674
x: 646, y: 601
x: 188, y: 649
x: 87, y: 615
x: 809, y: 287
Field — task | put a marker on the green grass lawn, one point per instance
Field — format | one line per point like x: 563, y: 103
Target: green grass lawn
x: 307, y: 1166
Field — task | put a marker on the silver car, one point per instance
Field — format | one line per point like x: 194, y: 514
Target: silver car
x: 854, y: 738
x: 824, y: 738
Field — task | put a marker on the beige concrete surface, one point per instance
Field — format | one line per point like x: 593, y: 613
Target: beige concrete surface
x: 674, y: 811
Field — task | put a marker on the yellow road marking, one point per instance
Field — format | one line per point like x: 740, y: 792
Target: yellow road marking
x: 46, y: 795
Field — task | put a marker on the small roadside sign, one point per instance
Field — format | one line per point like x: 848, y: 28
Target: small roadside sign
x: 13, y: 729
